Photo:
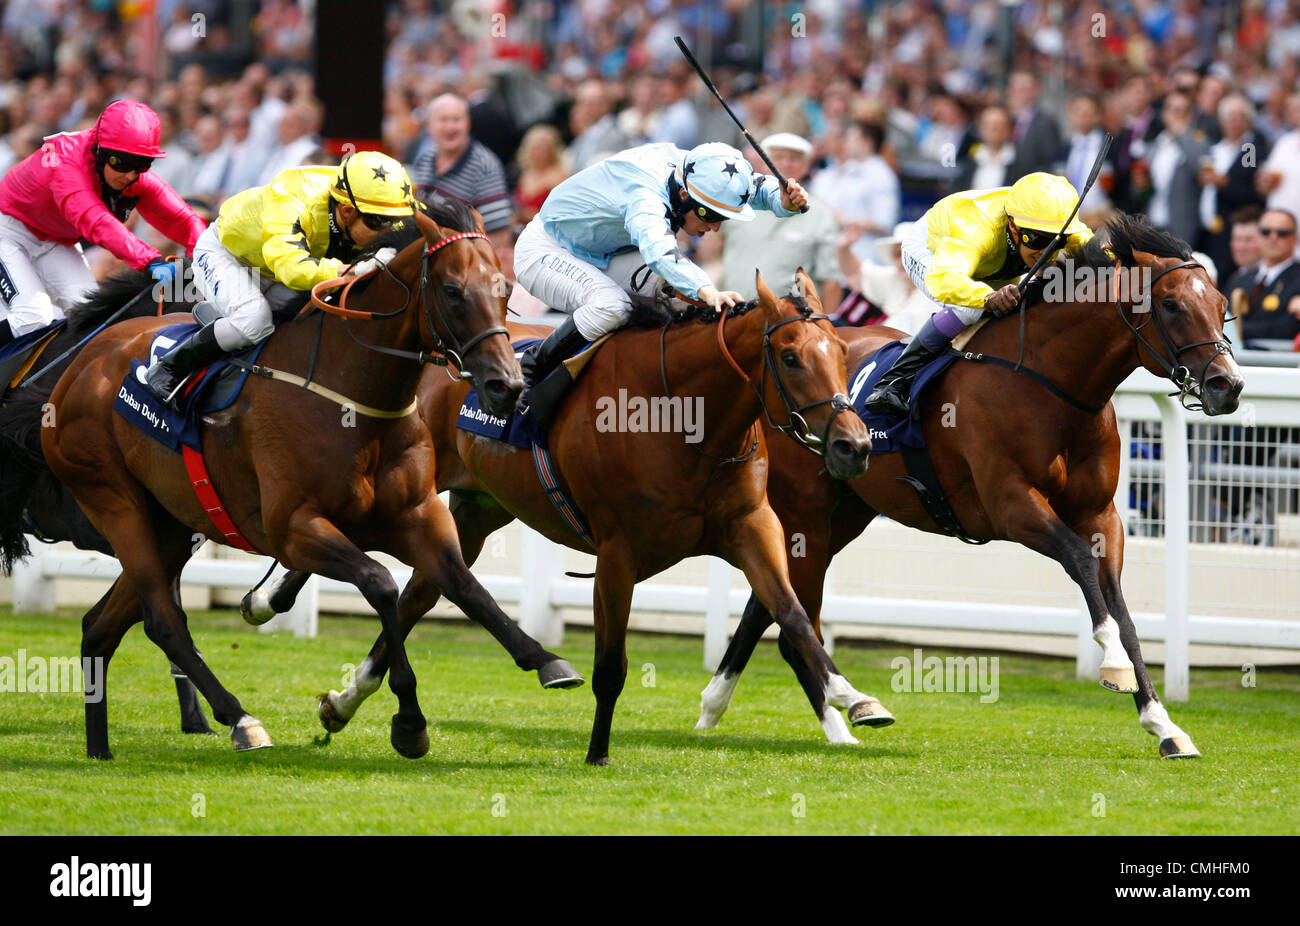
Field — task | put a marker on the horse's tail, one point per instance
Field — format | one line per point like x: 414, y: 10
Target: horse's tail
x: 22, y: 466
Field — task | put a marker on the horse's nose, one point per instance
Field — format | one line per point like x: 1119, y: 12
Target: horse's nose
x: 502, y: 394
x: 1222, y: 393
x: 847, y: 456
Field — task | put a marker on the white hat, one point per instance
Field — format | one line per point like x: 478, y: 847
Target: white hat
x: 789, y: 141
x: 885, y: 244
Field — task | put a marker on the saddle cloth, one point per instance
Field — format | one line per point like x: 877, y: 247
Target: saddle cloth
x: 888, y: 433
x: 210, y: 390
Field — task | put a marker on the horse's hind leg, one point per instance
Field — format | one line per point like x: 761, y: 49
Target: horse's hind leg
x: 476, y: 516
x: 1174, y: 743
x: 101, y: 632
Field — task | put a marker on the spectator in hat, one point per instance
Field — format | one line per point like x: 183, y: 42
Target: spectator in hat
x: 779, y: 247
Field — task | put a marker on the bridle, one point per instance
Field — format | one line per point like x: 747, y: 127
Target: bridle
x: 431, y: 303
x: 796, y: 425
x: 1190, y: 388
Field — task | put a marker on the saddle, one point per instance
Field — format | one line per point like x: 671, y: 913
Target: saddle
x: 19, y: 356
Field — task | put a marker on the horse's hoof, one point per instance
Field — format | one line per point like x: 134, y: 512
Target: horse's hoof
x: 255, y: 608
x: 1123, y: 679
x: 1179, y: 747
x: 871, y: 713
x: 103, y: 754
x: 411, y: 745
x: 330, y: 718
x: 559, y: 674
x: 598, y: 760
x: 249, y: 734
x: 706, y: 722
x: 195, y: 728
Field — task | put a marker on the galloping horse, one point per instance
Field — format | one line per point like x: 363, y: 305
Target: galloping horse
x: 301, y: 481
x: 651, y: 499
x: 1021, y: 463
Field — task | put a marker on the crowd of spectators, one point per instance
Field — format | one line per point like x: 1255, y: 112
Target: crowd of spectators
x: 882, y: 108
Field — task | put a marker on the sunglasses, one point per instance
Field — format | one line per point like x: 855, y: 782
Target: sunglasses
x: 1036, y: 240
x: 128, y: 163
x: 1280, y: 232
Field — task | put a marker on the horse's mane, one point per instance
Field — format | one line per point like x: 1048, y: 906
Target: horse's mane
x: 112, y: 294
x: 1125, y: 234
x: 450, y: 212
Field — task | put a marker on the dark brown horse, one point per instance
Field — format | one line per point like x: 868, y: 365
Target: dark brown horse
x: 311, y: 480
x: 1021, y: 463
x: 652, y: 499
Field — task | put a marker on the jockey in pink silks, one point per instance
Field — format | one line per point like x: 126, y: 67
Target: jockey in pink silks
x: 82, y: 186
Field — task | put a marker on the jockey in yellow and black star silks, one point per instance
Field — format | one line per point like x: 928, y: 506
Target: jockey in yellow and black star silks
x: 302, y: 228
x: 966, y: 254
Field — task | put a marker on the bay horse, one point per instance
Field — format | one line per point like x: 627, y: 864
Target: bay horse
x: 38, y: 502
x: 302, y: 482
x: 1020, y: 463
x: 653, y: 499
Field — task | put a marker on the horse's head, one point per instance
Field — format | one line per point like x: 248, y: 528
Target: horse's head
x: 804, y: 372
x: 460, y: 292
x: 1186, y: 315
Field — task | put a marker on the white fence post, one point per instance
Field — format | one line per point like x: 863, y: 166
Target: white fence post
x: 716, y: 605
x: 1173, y: 439
x: 33, y: 590
x: 542, y: 562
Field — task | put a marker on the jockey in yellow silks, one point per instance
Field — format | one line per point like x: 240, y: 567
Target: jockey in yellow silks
x: 966, y: 254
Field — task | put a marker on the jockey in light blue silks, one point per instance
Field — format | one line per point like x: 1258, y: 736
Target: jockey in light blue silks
x: 597, y: 228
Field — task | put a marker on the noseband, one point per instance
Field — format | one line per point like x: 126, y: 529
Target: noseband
x: 1189, y: 387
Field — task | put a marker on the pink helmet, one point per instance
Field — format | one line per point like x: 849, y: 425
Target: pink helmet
x: 130, y: 127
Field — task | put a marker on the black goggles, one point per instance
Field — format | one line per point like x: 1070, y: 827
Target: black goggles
x: 127, y: 163
x: 1035, y: 240
x: 707, y: 215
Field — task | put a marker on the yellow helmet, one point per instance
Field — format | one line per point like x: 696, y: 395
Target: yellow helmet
x: 1043, y: 202
x: 373, y: 183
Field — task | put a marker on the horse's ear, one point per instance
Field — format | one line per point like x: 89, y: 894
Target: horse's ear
x: 1144, y: 258
x: 766, y: 298
x: 431, y: 230
x: 478, y: 222
x: 804, y: 286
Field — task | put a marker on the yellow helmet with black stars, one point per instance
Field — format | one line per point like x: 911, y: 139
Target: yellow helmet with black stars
x: 373, y: 183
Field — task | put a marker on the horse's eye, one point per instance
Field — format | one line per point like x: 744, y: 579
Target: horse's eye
x: 1170, y: 305
x: 452, y: 292
x: 790, y: 359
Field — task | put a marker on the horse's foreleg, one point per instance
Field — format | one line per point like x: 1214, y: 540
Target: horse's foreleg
x: 717, y: 694
x: 612, y: 600
x: 1109, y: 528
x: 101, y: 632
x: 755, y: 545
x: 193, y: 720
x: 314, y: 544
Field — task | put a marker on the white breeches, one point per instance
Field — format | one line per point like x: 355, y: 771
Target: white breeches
x: 39, y: 280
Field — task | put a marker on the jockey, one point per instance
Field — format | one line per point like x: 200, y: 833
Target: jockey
x: 597, y: 228
x: 83, y: 185
x: 302, y: 228
x: 966, y: 254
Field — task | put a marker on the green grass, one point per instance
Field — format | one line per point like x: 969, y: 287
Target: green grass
x: 1033, y: 762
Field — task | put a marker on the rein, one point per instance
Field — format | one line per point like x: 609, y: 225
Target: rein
x: 443, y: 354
x: 1189, y: 387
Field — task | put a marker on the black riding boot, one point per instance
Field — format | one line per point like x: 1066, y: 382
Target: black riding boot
x: 6, y: 333
x: 197, y: 351
x: 891, y: 395
x: 560, y: 344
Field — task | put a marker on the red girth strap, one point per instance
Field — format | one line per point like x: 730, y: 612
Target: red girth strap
x: 211, y: 502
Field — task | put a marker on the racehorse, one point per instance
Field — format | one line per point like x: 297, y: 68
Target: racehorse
x: 303, y: 483
x: 1024, y: 462
x: 651, y: 499
x: 27, y: 487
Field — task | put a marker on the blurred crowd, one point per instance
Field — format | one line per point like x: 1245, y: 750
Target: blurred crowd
x: 880, y: 108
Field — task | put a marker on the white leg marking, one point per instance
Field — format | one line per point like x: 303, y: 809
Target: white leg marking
x: 1113, y: 655
x: 1155, y: 720
x: 714, y: 700
x: 840, y: 693
x: 365, y: 683
x: 836, y: 730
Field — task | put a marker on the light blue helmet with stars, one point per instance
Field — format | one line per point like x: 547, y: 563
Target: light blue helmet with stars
x: 718, y: 178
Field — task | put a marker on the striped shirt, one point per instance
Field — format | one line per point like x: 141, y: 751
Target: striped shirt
x: 477, y: 178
